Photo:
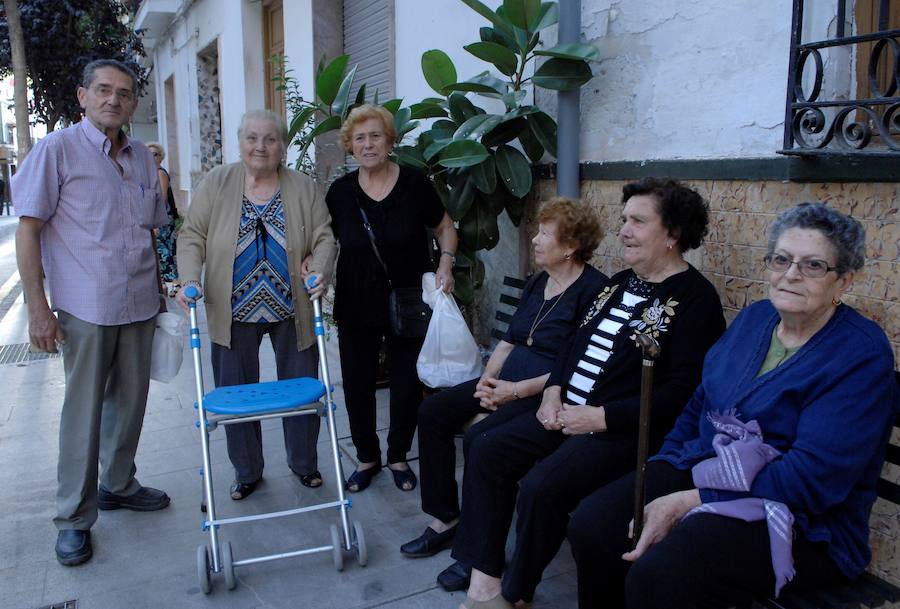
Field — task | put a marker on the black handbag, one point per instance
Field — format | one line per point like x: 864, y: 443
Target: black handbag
x: 407, y: 312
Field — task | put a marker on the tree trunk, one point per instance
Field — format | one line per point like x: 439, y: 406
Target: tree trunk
x: 20, y: 76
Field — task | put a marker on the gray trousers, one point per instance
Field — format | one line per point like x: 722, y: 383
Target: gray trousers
x: 107, y: 377
x: 239, y: 365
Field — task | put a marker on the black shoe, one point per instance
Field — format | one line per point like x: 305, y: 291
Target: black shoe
x: 455, y: 577
x: 361, y: 479
x: 146, y: 499
x: 429, y: 543
x: 242, y: 490
x: 73, y: 547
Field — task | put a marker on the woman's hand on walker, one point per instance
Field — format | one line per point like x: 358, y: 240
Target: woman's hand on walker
x: 183, y: 300
x: 660, y: 516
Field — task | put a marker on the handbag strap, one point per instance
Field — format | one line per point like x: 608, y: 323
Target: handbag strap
x: 371, y: 236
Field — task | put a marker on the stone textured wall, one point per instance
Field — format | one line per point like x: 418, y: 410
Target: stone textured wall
x: 741, y: 212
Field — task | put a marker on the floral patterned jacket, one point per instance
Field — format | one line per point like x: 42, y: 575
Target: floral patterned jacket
x: 685, y: 315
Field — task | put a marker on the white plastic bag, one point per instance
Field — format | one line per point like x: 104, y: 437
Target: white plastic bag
x: 168, y: 345
x: 449, y: 355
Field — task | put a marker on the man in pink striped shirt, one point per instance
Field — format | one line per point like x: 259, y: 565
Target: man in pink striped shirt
x: 88, y: 198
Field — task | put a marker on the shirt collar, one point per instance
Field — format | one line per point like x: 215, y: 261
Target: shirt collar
x: 99, y: 139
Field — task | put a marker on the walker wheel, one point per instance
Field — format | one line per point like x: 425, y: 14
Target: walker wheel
x: 359, y: 540
x: 203, y: 568
x: 228, y: 565
x: 337, y: 549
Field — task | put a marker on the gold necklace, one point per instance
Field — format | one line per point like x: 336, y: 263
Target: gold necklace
x: 538, y: 318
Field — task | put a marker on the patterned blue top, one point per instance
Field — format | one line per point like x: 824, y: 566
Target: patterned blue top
x: 261, y: 290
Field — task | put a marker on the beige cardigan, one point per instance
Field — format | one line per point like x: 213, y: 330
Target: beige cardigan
x: 210, y: 232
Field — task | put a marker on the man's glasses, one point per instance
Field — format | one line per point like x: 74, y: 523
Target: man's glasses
x: 812, y: 267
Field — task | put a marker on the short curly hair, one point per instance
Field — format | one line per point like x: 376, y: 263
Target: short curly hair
x: 361, y: 114
x: 683, y: 211
x: 846, y: 235
x: 577, y: 224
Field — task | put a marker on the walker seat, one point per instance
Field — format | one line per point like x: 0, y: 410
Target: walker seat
x: 263, y: 398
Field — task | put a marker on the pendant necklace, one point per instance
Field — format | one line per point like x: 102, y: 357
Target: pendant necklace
x: 539, y: 318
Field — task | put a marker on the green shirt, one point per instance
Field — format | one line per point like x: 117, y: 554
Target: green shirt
x: 777, y: 354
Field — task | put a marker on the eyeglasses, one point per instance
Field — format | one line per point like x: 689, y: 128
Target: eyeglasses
x: 105, y: 91
x: 812, y: 267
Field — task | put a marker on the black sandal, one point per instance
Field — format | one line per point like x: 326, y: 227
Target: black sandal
x: 313, y: 480
x: 361, y: 479
x: 242, y: 490
x: 404, y: 479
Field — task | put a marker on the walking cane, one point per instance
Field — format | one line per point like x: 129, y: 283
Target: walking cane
x: 650, y: 350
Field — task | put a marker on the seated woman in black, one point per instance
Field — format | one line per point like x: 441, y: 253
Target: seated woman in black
x: 552, y: 305
x: 584, y: 433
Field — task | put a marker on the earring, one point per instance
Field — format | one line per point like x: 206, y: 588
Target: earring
x: 836, y: 301
x: 568, y: 256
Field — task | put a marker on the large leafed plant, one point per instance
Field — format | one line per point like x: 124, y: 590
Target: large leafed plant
x: 479, y: 155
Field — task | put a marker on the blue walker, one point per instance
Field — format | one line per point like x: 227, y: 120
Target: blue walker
x: 256, y: 402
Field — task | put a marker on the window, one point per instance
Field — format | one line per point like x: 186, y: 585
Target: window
x: 843, y: 93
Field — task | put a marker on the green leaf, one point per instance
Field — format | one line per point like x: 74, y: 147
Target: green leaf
x: 299, y: 121
x: 462, y: 194
x: 515, y: 209
x: 489, y: 34
x: 549, y: 16
x: 573, y: 50
x: 426, y: 110
x: 514, y: 170
x: 486, y: 78
x: 512, y: 99
x: 484, y: 175
x: 443, y: 129
x: 504, y: 132
x: 402, y: 124
x: 329, y: 124
x: 562, y: 74
x: 520, y: 111
x: 410, y: 156
x: 478, y: 228
x: 473, y: 87
x: 462, y: 153
x: 360, y: 96
x: 532, y: 147
x: 523, y: 14
x: 329, y: 79
x: 504, y: 59
x: 499, y: 22
x: 544, y: 129
x: 440, y: 101
x: 435, y: 147
x: 392, y: 105
x: 375, y: 97
x: 476, y: 126
x: 438, y: 70
x: 461, y: 109
x: 339, y: 106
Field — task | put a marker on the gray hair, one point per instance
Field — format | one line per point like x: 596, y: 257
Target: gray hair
x: 846, y: 235
x: 266, y: 115
x: 87, y: 76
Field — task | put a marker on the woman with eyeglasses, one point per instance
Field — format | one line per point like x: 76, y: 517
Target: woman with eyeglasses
x: 769, y: 475
x: 251, y: 224
x: 165, y: 235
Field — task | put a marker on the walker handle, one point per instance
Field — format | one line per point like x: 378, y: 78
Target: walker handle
x: 192, y: 294
x: 310, y: 282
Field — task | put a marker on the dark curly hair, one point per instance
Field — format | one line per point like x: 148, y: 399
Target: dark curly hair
x: 683, y: 211
x: 577, y: 224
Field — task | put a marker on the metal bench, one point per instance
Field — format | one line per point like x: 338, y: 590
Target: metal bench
x: 867, y: 591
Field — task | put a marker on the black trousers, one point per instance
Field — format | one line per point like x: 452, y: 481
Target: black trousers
x: 707, y: 561
x: 441, y: 417
x: 239, y: 365
x: 550, y: 492
x: 497, y: 457
x: 359, y: 367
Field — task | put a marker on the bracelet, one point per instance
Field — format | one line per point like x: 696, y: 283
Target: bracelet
x: 451, y: 254
x: 516, y: 390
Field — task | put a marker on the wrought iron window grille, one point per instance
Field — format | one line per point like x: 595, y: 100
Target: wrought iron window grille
x: 821, y: 124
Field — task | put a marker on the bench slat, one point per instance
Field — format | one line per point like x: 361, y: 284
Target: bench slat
x: 888, y: 490
x: 498, y: 334
x: 893, y: 454
x: 509, y: 300
x: 513, y: 282
x: 504, y: 317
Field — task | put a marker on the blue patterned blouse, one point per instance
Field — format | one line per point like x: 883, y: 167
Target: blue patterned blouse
x: 261, y: 290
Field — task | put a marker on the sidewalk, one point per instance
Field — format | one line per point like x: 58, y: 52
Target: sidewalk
x: 149, y: 560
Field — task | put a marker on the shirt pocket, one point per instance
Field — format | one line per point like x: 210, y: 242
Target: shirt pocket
x: 143, y: 205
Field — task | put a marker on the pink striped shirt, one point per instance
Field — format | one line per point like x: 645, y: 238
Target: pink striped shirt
x: 97, y: 249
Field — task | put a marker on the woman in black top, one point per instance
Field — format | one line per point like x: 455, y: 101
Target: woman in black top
x: 584, y: 435
x: 400, y: 203
x: 552, y: 305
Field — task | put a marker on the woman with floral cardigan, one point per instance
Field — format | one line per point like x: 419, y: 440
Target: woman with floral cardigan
x: 584, y: 434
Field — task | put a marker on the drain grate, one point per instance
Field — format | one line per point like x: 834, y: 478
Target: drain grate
x: 62, y: 605
x: 15, y: 354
